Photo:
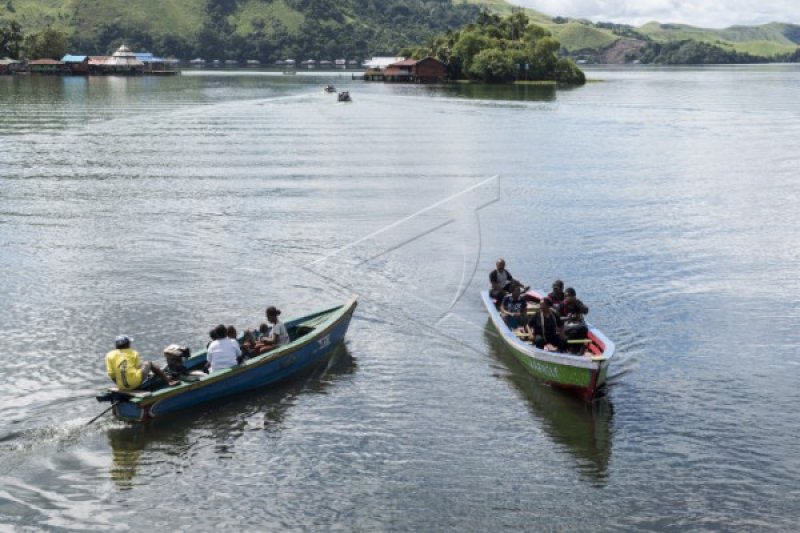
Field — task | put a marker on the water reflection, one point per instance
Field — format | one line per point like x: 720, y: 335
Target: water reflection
x: 225, y: 422
x: 482, y: 91
x: 583, y: 429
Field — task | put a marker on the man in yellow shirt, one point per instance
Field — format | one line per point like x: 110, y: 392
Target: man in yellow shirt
x: 125, y: 369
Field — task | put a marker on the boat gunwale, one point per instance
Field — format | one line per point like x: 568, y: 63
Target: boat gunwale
x: 337, y: 314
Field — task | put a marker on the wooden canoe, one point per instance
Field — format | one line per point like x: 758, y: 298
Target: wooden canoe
x: 313, y: 339
x: 583, y: 374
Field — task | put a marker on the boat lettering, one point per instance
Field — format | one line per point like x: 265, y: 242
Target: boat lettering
x: 544, y: 370
x: 324, y: 342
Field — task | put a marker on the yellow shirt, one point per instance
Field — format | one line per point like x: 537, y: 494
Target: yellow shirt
x: 124, y: 368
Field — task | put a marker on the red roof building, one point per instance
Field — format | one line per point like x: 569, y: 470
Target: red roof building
x: 425, y: 70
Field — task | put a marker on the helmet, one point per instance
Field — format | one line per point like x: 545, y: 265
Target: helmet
x: 122, y: 341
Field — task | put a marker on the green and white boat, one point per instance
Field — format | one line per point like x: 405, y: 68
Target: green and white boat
x: 584, y: 374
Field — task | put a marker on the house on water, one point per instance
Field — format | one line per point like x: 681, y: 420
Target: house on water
x: 425, y: 70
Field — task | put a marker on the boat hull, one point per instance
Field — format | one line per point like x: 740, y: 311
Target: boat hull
x: 262, y: 371
x: 583, y: 375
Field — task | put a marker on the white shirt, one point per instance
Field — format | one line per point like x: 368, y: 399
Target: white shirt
x: 222, y: 354
x: 280, y: 334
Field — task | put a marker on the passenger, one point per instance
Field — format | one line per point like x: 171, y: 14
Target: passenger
x: 543, y: 327
x: 223, y: 352
x: 572, y: 306
x: 213, y: 336
x: 233, y: 335
x: 513, y: 307
x: 557, y: 295
x: 125, y: 369
x: 248, y: 344
x: 500, y: 280
x: 260, y: 339
x: 278, y: 335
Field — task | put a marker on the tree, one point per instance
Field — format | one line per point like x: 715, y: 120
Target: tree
x: 48, y: 43
x: 493, y: 66
x: 11, y: 39
x: 495, y: 49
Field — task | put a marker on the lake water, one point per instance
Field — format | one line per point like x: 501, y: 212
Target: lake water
x: 159, y: 207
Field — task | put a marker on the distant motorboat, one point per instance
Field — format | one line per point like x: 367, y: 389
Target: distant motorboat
x: 329, y: 89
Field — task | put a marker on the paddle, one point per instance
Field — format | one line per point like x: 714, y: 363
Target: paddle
x: 113, y: 405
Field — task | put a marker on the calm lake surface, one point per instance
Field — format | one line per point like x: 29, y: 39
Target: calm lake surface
x: 159, y: 207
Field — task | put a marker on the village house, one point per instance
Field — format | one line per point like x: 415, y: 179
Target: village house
x: 76, y: 64
x: 425, y: 70
x: 8, y: 66
x: 45, y: 66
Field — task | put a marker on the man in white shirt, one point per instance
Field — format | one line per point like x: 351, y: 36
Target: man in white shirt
x: 278, y: 336
x: 223, y: 352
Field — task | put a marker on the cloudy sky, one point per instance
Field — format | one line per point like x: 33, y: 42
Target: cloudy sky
x: 705, y: 13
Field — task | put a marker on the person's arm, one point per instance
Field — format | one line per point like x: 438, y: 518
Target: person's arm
x: 109, y: 368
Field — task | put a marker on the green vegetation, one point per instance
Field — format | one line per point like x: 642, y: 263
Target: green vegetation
x: 690, y: 52
x: 501, y: 49
x: 266, y: 30
x: 48, y: 43
x: 580, y: 37
x: 326, y: 29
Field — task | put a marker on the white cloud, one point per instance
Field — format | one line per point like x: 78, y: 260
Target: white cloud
x: 705, y: 13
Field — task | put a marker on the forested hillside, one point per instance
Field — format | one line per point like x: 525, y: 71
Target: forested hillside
x: 266, y: 30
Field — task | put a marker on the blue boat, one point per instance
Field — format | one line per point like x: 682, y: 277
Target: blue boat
x: 313, y: 339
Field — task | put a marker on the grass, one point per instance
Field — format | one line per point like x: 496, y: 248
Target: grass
x: 276, y: 10
x: 574, y: 36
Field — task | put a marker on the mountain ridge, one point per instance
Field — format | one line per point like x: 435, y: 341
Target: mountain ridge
x: 273, y: 29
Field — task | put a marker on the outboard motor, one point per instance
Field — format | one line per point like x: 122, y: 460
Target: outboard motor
x: 575, y: 330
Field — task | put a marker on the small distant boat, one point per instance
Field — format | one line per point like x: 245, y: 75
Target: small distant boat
x: 583, y: 374
x: 313, y: 338
x: 329, y: 89
x: 344, y: 96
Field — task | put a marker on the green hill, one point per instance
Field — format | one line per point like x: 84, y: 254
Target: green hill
x: 273, y: 29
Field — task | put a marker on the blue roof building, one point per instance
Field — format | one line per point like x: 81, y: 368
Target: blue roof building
x: 69, y: 58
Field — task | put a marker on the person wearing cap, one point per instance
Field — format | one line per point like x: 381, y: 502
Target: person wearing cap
x: 278, y: 335
x: 571, y: 305
x: 126, y: 370
x: 223, y: 352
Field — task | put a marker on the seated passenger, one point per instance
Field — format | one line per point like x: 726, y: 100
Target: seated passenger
x: 212, y: 335
x: 513, y: 307
x: 543, y: 327
x: 233, y: 335
x: 571, y: 305
x: 500, y: 280
x: 260, y: 339
x: 223, y: 352
x: 278, y: 335
x: 557, y: 295
x: 125, y: 369
x: 248, y: 344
